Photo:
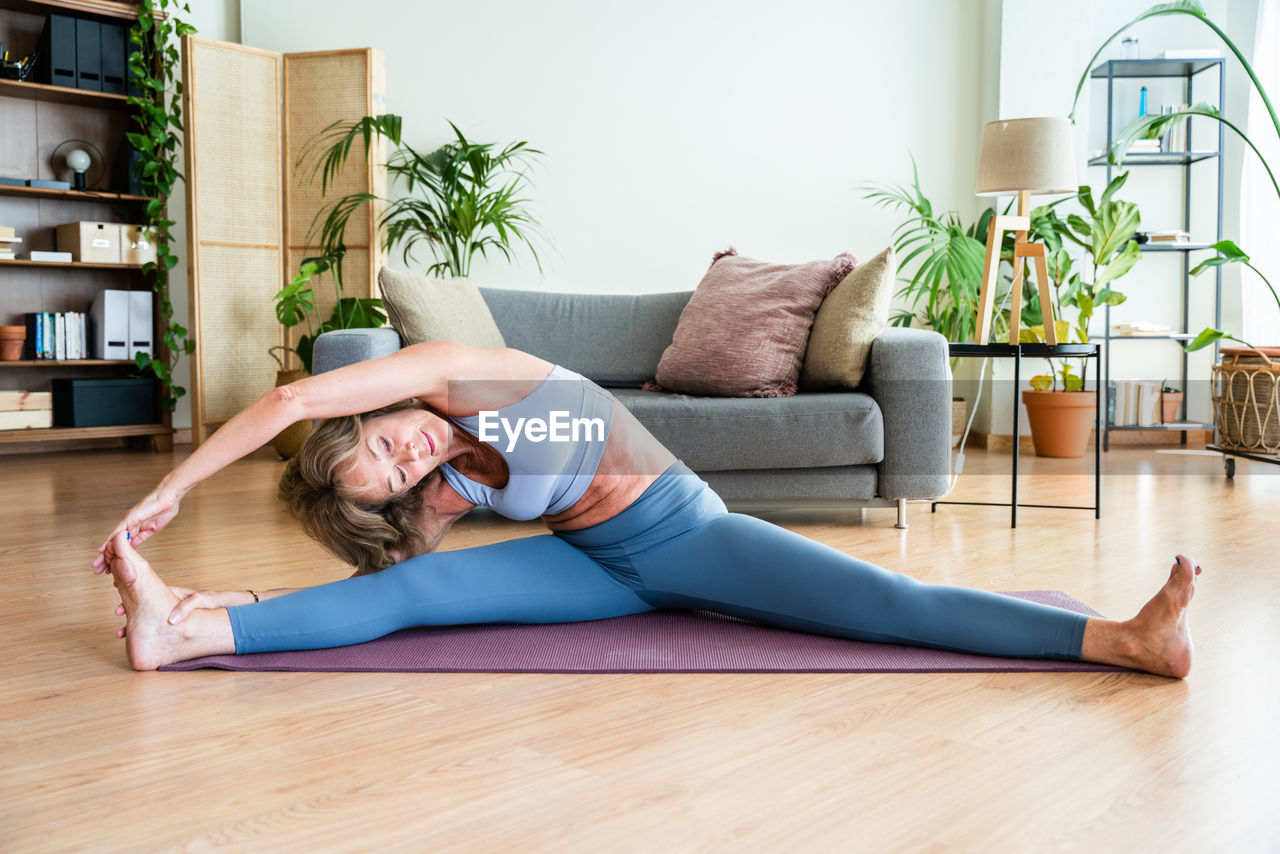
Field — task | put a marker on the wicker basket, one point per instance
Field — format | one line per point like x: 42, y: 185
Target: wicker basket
x: 1246, y: 400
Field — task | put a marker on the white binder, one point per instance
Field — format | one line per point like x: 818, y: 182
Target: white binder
x: 110, y: 324
x: 140, y: 332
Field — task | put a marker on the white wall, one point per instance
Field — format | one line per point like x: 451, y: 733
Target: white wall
x: 673, y: 129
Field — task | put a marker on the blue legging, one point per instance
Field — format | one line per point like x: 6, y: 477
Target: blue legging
x: 674, y: 547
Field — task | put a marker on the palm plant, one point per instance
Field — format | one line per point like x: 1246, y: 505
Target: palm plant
x: 461, y: 200
x: 1155, y: 126
x: 950, y: 256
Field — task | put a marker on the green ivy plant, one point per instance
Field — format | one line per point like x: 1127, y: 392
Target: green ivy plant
x: 158, y: 116
x: 296, y: 303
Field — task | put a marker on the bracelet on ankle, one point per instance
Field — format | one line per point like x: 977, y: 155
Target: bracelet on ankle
x: 254, y: 595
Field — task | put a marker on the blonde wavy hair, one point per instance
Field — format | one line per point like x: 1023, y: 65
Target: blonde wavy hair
x: 360, y: 534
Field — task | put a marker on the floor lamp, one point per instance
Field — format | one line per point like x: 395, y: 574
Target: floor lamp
x: 1021, y: 156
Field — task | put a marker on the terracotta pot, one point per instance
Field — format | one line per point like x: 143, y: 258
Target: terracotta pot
x: 11, y: 341
x: 1060, y: 421
x: 289, y: 440
x: 1170, y: 402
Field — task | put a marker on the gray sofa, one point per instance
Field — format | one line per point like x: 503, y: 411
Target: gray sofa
x: 877, y: 446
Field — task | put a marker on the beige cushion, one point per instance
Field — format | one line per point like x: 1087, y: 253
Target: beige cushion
x: 423, y: 308
x: 850, y: 318
x: 743, y: 332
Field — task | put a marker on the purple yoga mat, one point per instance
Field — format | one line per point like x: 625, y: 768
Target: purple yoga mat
x: 655, y: 642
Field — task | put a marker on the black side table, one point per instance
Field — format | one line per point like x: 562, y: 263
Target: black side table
x: 1018, y: 352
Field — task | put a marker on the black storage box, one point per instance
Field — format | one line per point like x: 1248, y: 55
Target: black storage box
x: 104, y: 403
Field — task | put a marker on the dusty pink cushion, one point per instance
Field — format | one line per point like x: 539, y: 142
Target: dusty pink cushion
x: 744, y: 331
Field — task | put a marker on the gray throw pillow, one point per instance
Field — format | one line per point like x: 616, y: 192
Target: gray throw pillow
x: 848, y: 320
x: 423, y: 308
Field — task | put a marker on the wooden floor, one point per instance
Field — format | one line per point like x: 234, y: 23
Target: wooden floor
x: 97, y: 757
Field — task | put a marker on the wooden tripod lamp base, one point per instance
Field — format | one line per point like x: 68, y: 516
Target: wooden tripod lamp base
x: 1022, y: 250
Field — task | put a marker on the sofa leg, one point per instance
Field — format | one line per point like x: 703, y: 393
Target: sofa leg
x: 902, y: 513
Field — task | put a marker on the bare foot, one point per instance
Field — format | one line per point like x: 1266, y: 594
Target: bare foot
x: 1158, y: 638
x: 149, y: 639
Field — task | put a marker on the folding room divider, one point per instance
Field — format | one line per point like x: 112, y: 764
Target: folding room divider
x: 251, y: 116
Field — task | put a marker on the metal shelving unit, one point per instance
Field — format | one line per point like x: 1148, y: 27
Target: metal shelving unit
x: 1132, y: 69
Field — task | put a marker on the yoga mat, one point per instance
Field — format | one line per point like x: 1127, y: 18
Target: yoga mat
x: 654, y: 642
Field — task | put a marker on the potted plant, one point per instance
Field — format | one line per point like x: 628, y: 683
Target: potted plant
x: 1244, y: 369
x: 1061, y: 418
x: 461, y: 200
x: 296, y: 304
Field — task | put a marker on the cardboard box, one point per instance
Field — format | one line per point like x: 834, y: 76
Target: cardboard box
x: 90, y: 242
x: 104, y: 402
x: 136, y: 245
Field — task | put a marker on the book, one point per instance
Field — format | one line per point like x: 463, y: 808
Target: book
x: 59, y: 336
x: 49, y: 185
x: 43, y: 255
x: 7, y: 231
x: 34, y: 345
x: 9, y: 238
x: 1144, y: 412
x: 47, y: 348
x: 32, y: 419
x: 20, y: 401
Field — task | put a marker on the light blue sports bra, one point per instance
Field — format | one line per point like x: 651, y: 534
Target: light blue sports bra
x: 552, y: 441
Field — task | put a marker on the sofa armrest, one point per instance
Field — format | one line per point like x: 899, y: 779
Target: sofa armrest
x: 343, y: 347
x: 909, y: 377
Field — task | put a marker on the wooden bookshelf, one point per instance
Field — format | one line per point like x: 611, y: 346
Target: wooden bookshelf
x: 32, y: 114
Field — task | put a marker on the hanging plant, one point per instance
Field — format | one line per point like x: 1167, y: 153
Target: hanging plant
x: 158, y: 115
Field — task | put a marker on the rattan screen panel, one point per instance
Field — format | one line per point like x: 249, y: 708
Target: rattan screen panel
x: 237, y: 144
x: 237, y: 327
x: 319, y: 90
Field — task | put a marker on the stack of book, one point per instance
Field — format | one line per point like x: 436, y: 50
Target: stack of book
x: 58, y: 335
x: 1145, y: 146
x: 9, y: 241
x: 25, y: 410
x: 1134, y: 403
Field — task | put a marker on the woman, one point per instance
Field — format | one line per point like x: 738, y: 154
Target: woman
x: 632, y: 529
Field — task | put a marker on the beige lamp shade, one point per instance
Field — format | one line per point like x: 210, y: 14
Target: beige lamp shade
x: 1027, y: 154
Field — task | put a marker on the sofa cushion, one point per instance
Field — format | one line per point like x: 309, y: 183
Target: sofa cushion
x: 423, y: 308
x: 612, y: 339
x: 850, y: 318
x: 724, y: 433
x: 744, y: 331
